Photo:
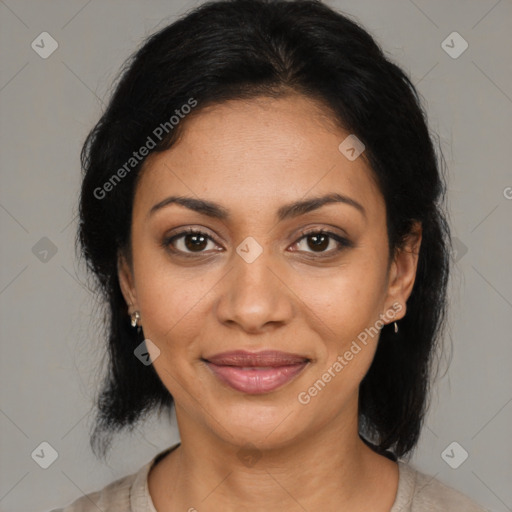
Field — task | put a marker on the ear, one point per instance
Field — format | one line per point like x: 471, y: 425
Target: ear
x: 402, y: 273
x: 126, y: 282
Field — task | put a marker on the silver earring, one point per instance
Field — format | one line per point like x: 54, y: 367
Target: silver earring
x: 396, y: 327
x: 135, y: 317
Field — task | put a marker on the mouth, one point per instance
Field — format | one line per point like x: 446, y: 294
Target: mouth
x: 256, y: 372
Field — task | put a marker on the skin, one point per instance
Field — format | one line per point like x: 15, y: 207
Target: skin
x: 252, y: 157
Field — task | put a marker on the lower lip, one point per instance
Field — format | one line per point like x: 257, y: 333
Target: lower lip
x: 256, y: 381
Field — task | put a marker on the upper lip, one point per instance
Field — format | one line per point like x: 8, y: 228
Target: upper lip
x: 271, y: 358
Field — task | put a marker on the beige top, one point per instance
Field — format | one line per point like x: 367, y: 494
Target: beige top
x: 417, y: 492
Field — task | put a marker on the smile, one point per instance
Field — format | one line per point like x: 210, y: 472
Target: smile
x: 256, y: 373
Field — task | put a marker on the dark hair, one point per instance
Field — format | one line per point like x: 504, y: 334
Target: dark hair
x: 242, y: 49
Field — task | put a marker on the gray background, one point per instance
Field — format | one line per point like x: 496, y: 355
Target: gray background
x: 50, y: 352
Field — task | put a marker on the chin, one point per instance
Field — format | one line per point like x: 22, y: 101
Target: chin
x: 266, y: 426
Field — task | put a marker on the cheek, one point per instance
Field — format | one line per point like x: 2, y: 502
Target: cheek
x: 344, y: 307
x: 346, y: 300
x: 172, y: 301
x: 173, y: 312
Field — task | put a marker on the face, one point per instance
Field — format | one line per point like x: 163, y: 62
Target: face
x: 258, y: 275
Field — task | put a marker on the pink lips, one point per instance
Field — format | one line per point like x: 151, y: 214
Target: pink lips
x: 256, y: 372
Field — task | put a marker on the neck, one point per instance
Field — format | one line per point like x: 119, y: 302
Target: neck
x: 313, y: 472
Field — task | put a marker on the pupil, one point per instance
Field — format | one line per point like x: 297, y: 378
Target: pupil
x: 319, y: 244
x: 201, y: 244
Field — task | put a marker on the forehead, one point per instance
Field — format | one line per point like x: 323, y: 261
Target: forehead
x: 260, y: 152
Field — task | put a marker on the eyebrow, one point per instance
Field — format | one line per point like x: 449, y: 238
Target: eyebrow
x: 286, y: 211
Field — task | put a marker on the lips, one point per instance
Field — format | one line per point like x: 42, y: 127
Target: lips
x: 271, y: 358
x: 256, y: 372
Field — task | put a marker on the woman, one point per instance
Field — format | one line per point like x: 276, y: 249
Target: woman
x: 261, y: 206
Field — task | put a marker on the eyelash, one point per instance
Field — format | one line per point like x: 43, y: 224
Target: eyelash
x: 343, y: 242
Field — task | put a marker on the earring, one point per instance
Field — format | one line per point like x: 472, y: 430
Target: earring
x: 135, y: 317
x: 396, y: 327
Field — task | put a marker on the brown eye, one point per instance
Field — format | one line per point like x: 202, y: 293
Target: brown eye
x: 188, y: 242
x: 320, y: 241
x: 195, y: 242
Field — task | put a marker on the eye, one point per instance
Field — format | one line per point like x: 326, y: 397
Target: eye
x: 188, y: 242
x: 193, y: 241
x: 320, y: 240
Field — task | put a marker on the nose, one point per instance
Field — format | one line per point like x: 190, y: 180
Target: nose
x: 255, y: 295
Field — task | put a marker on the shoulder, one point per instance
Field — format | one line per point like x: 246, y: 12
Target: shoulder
x: 127, y: 494
x: 418, y: 492
x: 115, y: 497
